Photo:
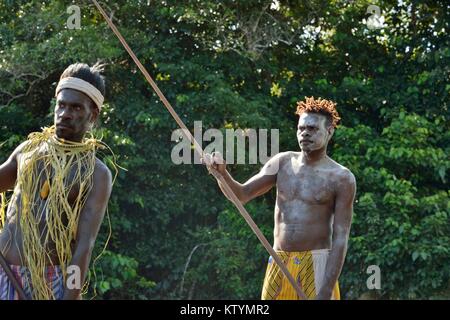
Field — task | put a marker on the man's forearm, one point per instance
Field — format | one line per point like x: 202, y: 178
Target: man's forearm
x: 81, y: 260
x: 333, y: 269
x: 234, y: 185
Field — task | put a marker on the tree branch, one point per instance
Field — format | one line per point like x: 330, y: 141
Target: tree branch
x: 180, y: 292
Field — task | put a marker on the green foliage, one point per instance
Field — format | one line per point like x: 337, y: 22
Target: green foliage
x: 116, y: 272
x: 216, y: 61
x: 402, y: 211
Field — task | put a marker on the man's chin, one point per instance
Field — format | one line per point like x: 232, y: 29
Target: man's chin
x: 304, y: 148
x: 62, y: 133
x: 307, y: 148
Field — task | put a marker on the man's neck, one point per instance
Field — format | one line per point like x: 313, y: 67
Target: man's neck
x: 313, y: 157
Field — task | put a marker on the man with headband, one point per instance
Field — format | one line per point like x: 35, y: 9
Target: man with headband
x: 61, y: 191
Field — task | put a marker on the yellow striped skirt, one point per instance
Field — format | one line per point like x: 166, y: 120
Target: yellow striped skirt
x: 307, y: 268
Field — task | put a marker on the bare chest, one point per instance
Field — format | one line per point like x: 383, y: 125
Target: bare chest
x: 49, y: 178
x: 314, y: 186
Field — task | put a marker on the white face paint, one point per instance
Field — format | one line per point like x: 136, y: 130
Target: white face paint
x: 312, y: 131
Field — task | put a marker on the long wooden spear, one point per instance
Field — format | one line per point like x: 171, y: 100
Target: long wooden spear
x: 229, y: 192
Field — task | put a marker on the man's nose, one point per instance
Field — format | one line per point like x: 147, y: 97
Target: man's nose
x: 65, y: 114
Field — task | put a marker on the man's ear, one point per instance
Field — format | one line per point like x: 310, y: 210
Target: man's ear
x: 94, y: 114
x: 331, y: 131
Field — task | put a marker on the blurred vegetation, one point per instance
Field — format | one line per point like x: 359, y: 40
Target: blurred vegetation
x: 244, y: 64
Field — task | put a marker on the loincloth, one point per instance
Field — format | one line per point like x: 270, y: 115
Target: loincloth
x: 308, y: 270
x: 54, y: 279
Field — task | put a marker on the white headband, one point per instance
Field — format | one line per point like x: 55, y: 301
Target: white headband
x: 83, y: 86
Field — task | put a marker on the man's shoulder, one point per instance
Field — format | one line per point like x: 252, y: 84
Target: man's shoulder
x: 276, y: 163
x: 286, y: 155
x: 281, y: 158
x: 102, y: 171
x: 343, y: 174
x: 25, y: 146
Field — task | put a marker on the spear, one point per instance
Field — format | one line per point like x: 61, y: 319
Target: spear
x: 229, y: 192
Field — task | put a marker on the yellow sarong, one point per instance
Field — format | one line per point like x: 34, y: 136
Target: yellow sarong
x: 307, y: 268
